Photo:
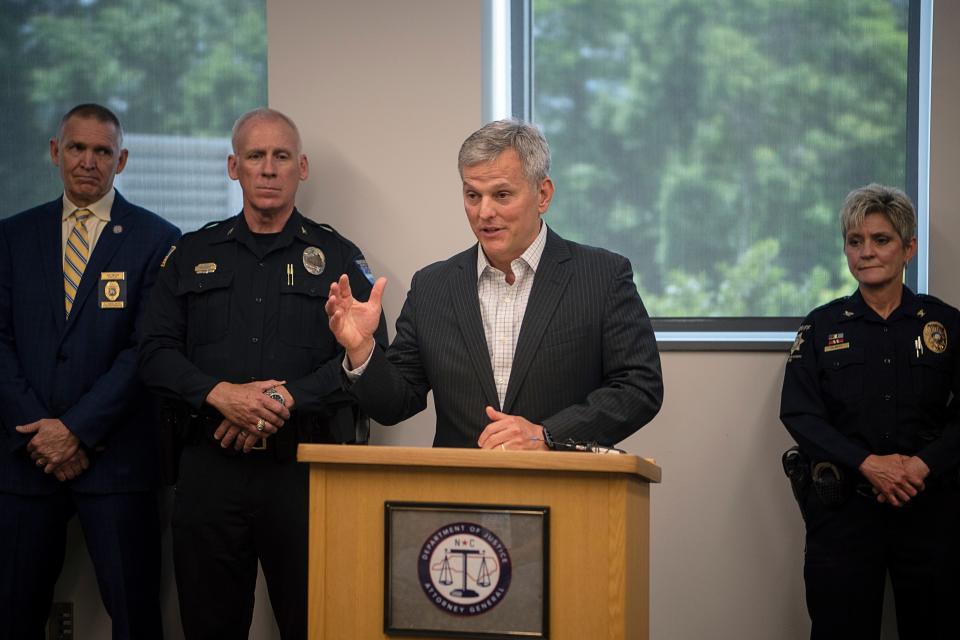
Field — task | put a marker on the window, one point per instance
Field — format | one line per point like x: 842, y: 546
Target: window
x: 712, y: 142
x: 176, y: 72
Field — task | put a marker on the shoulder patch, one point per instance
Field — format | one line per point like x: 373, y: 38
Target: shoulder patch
x: 799, y: 340
x: 361, y: 263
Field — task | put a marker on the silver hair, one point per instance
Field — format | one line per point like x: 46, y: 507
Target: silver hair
x: 877, y: 198
x: 263, y: 113
x: 488, y: 142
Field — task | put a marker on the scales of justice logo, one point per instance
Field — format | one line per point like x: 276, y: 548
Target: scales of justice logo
x: 464, y: 569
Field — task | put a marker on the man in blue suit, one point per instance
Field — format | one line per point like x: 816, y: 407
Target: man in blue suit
x: 78, y: 432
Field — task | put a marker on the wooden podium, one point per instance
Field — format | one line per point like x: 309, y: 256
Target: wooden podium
x: 599, y: 530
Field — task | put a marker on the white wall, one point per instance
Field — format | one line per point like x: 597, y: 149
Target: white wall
x: 384, y: 92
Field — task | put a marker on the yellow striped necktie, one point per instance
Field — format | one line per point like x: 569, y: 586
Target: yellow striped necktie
x: 75, y: 257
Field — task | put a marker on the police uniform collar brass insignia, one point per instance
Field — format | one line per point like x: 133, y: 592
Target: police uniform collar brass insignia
x: 314, y: 261
x: 205, y: 267
x: 303, y: 230
x: 848, y: 314
x: 935, y: 336
x: 921, y: 313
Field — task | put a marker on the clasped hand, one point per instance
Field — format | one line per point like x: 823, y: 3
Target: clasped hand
x: 895, y: 478
x: 55, y: 448
x: 247, y: 407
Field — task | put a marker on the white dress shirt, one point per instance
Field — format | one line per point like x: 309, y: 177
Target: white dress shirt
x: 502, y: 307
x: 94, y: 225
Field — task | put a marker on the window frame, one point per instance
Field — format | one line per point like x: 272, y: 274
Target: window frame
x: 508, y: 85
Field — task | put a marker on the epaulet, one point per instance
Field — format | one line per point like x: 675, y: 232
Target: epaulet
x: 318, y: 225
x: 926, y: 297
x: 833, y: 303
x: 205, y: 228
x: 326, y: 227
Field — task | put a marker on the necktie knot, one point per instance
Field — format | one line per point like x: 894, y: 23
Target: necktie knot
x: 81, y: 216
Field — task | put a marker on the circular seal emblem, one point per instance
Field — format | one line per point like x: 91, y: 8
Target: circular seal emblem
x: 935, y: 336
x: 111, y: 290
x: 464, y: 569
x: 314, y: 261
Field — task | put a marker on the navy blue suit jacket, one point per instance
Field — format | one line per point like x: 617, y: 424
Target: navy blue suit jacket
x: 82, y: 370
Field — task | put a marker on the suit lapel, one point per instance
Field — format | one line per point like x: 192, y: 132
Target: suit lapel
x: 549, y: 283
x: 467, y: 308
x: 111, y: 238
x: 50, y: 238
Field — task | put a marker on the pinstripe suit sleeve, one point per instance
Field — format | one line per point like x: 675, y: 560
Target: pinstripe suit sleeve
x: 394, y: 388
x: 630, y: 392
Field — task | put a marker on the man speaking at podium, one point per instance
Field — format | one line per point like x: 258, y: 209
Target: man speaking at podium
x: 526, y: 339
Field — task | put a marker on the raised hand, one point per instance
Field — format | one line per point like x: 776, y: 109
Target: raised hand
x: 352, y: 322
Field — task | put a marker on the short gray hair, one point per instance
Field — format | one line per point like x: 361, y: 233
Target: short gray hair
x: 263, y: 113
x: 93, y: 111
x: 487, y: 143
x: 877, y: 198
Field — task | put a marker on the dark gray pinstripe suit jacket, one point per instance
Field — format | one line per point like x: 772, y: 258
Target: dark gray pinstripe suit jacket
x: 586, y: 365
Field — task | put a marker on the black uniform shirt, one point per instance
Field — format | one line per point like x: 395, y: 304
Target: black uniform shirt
x: 235, y: 307
x: 856, y: 384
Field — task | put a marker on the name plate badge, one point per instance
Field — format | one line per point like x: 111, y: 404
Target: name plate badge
x: 113, y: 289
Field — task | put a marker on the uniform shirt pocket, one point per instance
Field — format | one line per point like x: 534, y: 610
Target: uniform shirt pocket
x: 303, y: 320
x: 931, y: 375
x: 208, y: 306
x: 842, y: 374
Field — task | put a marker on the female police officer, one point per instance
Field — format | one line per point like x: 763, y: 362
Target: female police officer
x: 868, y: 396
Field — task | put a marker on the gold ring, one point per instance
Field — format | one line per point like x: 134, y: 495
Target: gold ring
x: 503, y: 446
x: 261, y: 424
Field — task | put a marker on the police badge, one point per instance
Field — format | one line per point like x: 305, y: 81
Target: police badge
x: 935, y: 336
x: 113, y: 289
x: 314, y: 261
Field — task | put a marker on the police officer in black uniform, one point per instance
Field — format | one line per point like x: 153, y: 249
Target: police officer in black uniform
x: 236, y: 332
x: 868, y: 395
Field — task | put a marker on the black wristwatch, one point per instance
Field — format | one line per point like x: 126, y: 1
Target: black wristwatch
x: 548, y: 439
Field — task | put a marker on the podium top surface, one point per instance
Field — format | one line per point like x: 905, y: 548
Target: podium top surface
x: 571, y: 461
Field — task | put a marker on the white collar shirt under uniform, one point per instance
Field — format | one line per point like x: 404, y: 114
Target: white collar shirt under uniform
x: 94, y: 224
x: 502, y: 306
